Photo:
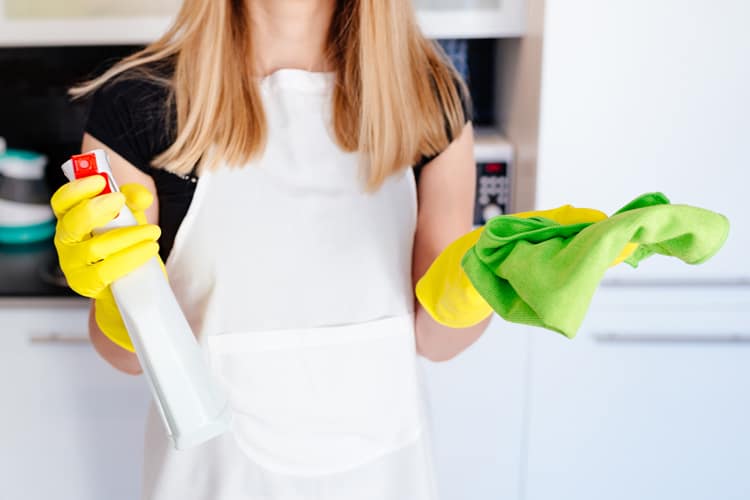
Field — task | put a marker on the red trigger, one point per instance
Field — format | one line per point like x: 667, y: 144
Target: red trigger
x: 84, y: 165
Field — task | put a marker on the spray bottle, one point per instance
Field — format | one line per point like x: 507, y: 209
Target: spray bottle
x: 190, y: 403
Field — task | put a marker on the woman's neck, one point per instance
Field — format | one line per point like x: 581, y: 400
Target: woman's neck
x: 290, y: 34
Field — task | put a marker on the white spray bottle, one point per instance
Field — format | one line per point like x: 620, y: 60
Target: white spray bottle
x: 191, y: 405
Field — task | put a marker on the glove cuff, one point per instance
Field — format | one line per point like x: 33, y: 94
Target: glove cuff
x: 445, y: 290
x: 110, y: 322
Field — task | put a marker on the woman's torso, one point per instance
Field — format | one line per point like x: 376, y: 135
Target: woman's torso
x: 292, y: 239
x: 298, y: 283
x: 130, y: 115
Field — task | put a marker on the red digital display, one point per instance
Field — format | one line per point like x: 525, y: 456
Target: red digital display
x: 494, y: 168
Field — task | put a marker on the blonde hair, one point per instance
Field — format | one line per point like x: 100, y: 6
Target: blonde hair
x: 396, y: 97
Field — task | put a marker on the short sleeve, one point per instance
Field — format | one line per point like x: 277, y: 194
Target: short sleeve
x: 467, y: 113
x: 129, y: 115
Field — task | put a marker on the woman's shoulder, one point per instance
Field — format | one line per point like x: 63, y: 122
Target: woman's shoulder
x: 467, y: 112
x: 144, y: 87
x: 132, y: 113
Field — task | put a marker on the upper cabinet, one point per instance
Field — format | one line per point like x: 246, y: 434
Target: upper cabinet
x: 113, y: 22
x: 471, y: 18
x: 83, y: 22
x: 649, y: 96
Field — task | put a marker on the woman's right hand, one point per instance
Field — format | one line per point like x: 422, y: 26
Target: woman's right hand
x: 91, y: 262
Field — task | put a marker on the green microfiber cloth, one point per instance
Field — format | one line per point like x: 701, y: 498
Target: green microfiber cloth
x: 537, y: 272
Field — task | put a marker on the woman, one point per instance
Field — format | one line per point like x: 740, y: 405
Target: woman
x: 276, y: 138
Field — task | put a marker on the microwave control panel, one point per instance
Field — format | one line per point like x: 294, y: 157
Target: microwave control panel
x: 493, y: 191
x: 494, y: 188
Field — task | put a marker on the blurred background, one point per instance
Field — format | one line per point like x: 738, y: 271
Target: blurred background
x: 575, y: 101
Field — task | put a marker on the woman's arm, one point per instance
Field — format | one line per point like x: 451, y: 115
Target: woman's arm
x: 124, y: 173
x: 446, y: 207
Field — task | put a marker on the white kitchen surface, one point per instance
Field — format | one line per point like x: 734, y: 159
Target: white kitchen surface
x: 478, y: 405
x: 71, y: 426
x: 652, y: 399
x: 644, y: 96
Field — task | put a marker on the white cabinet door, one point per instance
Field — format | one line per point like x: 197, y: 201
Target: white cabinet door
x: 471, y: 18
x: 83, y: 22
x: 71, y: 426
x: 651, y: 401
x: 477, y: 402
x: 91, y: 22
x: 644, y: 96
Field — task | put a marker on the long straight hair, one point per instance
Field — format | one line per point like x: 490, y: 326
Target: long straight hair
x: 396, y: 96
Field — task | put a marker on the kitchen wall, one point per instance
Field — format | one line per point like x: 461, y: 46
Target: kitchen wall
x: 37, y: 113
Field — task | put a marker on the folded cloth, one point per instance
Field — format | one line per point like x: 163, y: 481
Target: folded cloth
x: 538, y: 272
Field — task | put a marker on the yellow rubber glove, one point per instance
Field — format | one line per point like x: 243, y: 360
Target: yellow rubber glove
x: 91, y: 263
x: 445, y: 290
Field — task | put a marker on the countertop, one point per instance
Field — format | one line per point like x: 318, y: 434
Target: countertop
x: 31, y: 271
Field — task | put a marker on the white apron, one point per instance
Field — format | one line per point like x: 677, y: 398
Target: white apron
x: 299, y: 286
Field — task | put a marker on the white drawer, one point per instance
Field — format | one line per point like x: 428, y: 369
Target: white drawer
x: 72, y: 426
x: 650, y: 400
x: 712, y: 314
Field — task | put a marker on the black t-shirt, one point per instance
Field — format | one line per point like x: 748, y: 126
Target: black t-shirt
x: 129, y: 115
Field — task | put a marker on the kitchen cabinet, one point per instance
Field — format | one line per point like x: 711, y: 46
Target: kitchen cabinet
x: 477, y: 402
x: 471, y: 18
x: 111, y: 22
x: 71, y: 426
x: 650, y: 401
x: 53, y: 9
x: 649, y: 96
x: 83, y: 22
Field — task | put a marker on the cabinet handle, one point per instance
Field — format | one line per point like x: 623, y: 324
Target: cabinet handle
x: 672, y: 338
x: 742, y: 282
x: 56, y: 338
